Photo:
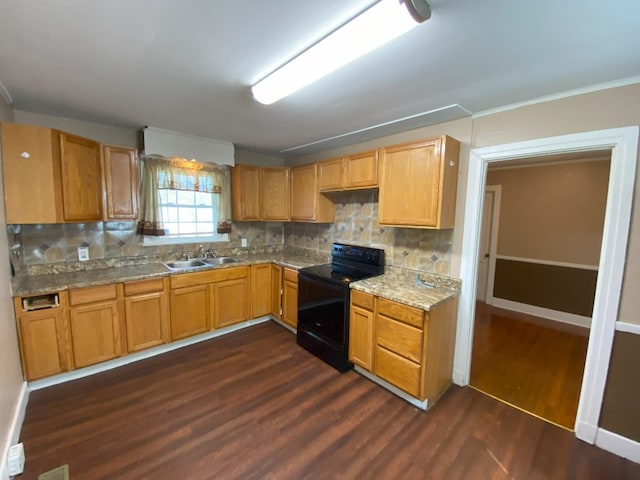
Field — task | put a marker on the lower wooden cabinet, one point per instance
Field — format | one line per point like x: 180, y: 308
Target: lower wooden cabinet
x: 146, y: 313
x: 261, y: 294
x: 44, y: 337
x: 190, y: 311
x: 94, y: 319
x: 276, y: 291
x: 231, y: 300
x: 405, y: 346
x: 290, y: 297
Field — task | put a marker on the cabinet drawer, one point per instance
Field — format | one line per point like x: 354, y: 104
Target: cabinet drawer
x: 79, y: 296
x: 290, y: 275
x: 143, y: 286
x: 361, y: 299
x: 208, y: 276
x: 398, y: 371
x: 397, y: 311
x: 399, y: 337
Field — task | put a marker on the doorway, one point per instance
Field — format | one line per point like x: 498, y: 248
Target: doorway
x: 623, y: 143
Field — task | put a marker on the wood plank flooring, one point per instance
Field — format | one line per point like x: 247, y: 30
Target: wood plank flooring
x: 253, y: 405
x: 533, y: 363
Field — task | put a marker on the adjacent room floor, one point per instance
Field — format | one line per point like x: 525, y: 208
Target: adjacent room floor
x: 253, y: 405
x: 530, y: 362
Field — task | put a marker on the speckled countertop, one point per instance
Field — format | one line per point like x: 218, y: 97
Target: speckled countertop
x: 53, y: 282
x: 410, y: 287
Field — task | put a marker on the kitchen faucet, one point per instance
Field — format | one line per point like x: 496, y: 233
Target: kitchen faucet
x: 201, y: 251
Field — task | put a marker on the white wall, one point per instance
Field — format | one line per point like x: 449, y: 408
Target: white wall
x: 246, y: 157
x: 126, y: 137
x: 11, y: 381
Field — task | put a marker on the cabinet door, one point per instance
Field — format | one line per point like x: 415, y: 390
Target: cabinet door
x: 81, y: 178
x: 276, y: 290
x: 189, y: 311
x: 418, y: 183
x: 330, y: 173
x: 290, y: 297
x: 146, y: 319
x: 361, y: 170
x: 307, y: 203
x: 275, y: 194
x: 361, y: 337
x: 260, y: 290
x: 31, y: 174
x: 245, y: 191
x: 94, y: 332
x: 121, y: 182
x: 231, y: 302
x: 43, y: 342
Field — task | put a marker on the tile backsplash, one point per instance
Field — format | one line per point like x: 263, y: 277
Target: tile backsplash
x: 356, y: 222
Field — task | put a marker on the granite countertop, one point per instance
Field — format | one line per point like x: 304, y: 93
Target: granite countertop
x: 54, y: 282
x: 410, y: 287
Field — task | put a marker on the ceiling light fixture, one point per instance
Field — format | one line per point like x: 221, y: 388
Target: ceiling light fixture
x: 376, y: 26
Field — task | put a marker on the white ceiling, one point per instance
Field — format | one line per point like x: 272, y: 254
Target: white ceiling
x: 187, y: 65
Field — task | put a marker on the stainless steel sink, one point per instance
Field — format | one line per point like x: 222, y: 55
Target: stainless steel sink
x: 184, y: 264
x: 220, y: 260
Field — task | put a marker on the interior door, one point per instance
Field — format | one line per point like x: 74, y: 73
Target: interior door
x: 485, y: 246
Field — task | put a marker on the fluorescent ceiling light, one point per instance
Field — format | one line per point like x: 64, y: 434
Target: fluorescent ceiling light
x: 376, y: 26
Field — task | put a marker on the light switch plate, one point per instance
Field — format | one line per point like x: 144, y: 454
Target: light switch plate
x: 83, y: 254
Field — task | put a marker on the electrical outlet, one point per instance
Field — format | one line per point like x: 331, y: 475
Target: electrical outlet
x: 244, y: 242
x: 83, y: 254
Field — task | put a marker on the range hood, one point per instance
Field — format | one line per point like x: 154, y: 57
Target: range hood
x: 156, y: 141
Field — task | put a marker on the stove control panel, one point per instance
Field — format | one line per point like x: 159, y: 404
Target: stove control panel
x: 368, y: 255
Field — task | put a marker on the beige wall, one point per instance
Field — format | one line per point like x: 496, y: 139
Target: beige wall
x: 617, y: 107
x: 246, y: 157
x: 552, y: 212
x: 10, y: 369
x: 126, y: 137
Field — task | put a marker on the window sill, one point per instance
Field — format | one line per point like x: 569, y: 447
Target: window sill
x: 150, y: 241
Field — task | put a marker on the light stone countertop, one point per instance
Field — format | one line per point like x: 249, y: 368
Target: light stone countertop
x: 400, y: 285
x: 55, y: 282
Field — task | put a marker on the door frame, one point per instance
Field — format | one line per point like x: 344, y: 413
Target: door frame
x: 493, y: 240
x: 623, y: 143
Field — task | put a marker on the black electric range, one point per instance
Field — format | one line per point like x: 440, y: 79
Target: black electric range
x: 323, y: 301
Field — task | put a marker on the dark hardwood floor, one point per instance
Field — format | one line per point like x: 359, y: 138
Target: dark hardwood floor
x: 253, y: 405
x: 533, y: 363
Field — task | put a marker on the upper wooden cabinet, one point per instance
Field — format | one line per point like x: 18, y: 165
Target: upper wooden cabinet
x: 245, y: 192
x: 53, y: 177
x: 307, y: 203
x: 349, y: 173
x: 274, y: 201
x: 418, y: 183
x: 31, y: 174
x: 121, y: 182
x: 81, y: 171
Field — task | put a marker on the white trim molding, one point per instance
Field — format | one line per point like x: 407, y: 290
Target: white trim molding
x: 623, y: 143
x: 619, y: 445
x: 556, y: 315
x: 553, y: 263
x: 628, y: 327
x: 15, y: 428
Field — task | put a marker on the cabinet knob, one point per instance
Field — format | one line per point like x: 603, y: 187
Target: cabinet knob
x: 452, y: 163
x: 25, y: 155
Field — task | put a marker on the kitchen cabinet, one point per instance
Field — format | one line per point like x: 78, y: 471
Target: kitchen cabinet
x: 290, y: 297
x: 231, y: 297
x: 81, y: 171
x: 418, y: 183
x: 276, y: 291
x: 261, y: 293
x: 146, y: 313
x: 94, y: 318
x: 275, y: 193
x: 361, y: 329
x: 189, y: 307
x: 245, y: 192
x: 121, y: 182
x: 31, y: 174
x: 354, y: 172
x: 307, y: 203
x: 43, y: 334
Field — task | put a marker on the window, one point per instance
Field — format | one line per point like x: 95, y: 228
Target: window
x: 184, y: 202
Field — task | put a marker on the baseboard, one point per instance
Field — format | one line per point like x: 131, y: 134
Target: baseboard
x: 135, y: 357
x: 618, y: 445
x: 459, y: 378
x: 586, y: 432
x: 563, y: 317
x: 15, y: 428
